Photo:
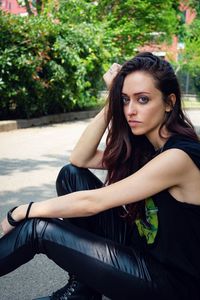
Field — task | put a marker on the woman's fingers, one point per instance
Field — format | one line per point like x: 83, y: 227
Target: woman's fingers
x: 5, y: 226
x: 111, y: 73
x: 115, y: 68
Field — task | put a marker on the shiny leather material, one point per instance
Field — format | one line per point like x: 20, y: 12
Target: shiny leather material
x: 99, y: 254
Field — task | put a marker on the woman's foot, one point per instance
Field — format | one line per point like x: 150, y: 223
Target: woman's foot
x: 73, y: 290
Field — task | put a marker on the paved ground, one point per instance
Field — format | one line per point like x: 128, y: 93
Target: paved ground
x: 194, y: 116
x: 29, y: 162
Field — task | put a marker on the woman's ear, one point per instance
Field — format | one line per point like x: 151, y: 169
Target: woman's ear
x: 170, y: 102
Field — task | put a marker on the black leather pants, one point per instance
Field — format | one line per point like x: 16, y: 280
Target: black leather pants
x: 96, y: 249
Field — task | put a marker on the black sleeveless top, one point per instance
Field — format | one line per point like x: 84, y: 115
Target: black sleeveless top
x: 171, y: 230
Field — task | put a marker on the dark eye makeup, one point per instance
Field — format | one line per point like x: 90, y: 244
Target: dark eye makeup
x: 125, y: 99
x: 142, y: 99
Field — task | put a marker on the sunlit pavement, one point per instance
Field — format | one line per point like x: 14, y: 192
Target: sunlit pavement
x: 30, y: 160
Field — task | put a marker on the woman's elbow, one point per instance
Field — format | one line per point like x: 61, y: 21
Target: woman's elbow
x: 76, y: 162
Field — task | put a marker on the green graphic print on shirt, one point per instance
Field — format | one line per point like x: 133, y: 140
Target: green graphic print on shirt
x: 149, y: 227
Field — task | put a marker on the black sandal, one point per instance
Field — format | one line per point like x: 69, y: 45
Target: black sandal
x: 10, y: 219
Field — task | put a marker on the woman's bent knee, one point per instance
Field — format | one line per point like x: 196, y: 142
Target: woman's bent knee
x: 66, y: 178
x: 71, y: 179
x: 69, y: 170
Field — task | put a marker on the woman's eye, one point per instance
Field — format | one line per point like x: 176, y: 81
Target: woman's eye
x: 125, y: 100
x: 143, y: 99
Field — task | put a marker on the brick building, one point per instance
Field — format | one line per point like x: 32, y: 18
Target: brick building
x: 13, y: 7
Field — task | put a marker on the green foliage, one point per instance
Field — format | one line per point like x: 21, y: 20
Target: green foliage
x: 132, y: 23
x: 53, y: 62
x: 47, y: 66
x: 38, y: 6
x: 194, y: 4
x: 190, y: 58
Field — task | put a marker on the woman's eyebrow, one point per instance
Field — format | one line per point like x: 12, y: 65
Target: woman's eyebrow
x: 136, y: 94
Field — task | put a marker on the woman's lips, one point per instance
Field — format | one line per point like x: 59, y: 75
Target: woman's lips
x: 134, y: 123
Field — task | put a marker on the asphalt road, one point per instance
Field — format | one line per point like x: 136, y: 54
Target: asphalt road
x: 30, y: 160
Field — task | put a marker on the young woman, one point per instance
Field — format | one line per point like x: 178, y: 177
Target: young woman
x: 137, y: 236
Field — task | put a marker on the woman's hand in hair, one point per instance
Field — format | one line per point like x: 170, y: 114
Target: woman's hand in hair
x: 110, y: 74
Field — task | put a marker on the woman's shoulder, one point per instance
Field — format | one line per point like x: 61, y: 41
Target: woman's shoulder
x: 190, y: 146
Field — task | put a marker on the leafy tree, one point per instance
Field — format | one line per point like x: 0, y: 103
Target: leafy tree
x: 194, y: 4
x: 40, y: 6
x: 53, y: 62
x: 131, y: 23
x: 127, y: 24
x: 190, y: 57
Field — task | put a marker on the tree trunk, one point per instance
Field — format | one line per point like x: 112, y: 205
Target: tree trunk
x: 39, y: 6
x: 28, y: 8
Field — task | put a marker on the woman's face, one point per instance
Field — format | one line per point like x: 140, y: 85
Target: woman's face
x: 143, y: 105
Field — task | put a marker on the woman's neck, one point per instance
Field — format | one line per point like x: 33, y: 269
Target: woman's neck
x: 157, y: 140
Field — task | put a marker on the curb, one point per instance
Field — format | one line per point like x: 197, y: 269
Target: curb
x: 59, y: 118
x: 51, y: 119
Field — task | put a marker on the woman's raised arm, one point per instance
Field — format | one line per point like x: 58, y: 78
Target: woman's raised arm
x: 86, y: 153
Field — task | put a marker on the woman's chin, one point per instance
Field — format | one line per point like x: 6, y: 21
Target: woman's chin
x: 137, y: 131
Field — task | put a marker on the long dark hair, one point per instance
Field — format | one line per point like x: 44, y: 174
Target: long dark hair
x: 125, y: 153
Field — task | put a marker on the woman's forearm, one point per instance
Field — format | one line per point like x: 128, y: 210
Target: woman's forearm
x: 78, y: 204
x: 85, y: 153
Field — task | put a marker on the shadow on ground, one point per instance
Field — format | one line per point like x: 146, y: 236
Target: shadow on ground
x: 9, y: 166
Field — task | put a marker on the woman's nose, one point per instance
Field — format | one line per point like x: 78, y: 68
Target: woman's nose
x: 131, y: 108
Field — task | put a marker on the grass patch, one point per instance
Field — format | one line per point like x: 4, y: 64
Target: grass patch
x: 191, y: 104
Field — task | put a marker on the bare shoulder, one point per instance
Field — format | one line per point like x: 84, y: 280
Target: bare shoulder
x: 172, y: 160
x: 178, y: 157
x: 174, y: 167
x: 181, y: 160
x: 186, y: 174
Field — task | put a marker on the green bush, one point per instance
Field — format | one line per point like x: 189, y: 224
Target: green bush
x: 48, y: 66
x: 53, y: 62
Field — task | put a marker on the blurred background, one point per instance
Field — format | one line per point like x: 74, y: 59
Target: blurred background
x: 53, y: 53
